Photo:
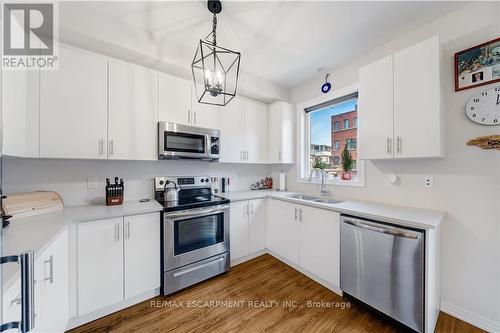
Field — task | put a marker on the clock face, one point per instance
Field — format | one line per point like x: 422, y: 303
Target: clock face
x: 484, y: 107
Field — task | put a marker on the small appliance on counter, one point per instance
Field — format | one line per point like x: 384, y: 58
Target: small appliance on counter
x: 28, y: 204
x: 194, y: 231
x: 114, y: 192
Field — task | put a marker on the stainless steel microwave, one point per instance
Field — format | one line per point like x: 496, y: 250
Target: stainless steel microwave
x: 177, y: 141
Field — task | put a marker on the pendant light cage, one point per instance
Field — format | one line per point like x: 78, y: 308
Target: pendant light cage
x: 215, y: 70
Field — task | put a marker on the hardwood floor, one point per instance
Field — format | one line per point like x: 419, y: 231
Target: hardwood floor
x: 250, y: 290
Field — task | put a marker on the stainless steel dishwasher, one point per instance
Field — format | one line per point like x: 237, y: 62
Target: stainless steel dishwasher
x: 383, y: 266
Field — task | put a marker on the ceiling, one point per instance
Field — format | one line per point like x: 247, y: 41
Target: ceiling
x: 283, y: 42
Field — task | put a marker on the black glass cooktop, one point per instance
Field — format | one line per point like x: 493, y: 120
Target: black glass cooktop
x: 196, y: 201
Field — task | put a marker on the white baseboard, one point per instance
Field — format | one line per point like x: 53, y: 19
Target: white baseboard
x: 470, y: 317
x: 78, y: 321
x: 248, y: 257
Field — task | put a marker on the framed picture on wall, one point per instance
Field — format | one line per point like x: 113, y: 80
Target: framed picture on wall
x: 478, y: 65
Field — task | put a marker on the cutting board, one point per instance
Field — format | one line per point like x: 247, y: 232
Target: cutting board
x: 21, y: 205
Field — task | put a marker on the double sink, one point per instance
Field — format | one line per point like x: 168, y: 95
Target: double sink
x: 315, y: 199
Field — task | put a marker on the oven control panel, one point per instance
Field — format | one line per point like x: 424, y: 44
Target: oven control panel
x: 183, y: 182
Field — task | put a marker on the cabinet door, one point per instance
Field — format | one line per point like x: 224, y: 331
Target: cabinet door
x: 54, y: 314
x: 417, y: 111
x: 256, y: 132
x: 375, y: 112
x: 133, y: 112
x: 174, y: 100
x: 100, y: 264
x: 73, y: 107
x: 281, y: 132
x: 20, y: 115
x: 205, y: 115
x: 257, y: 225
x: 238, y: 230
x: 320, y: 243
x: 142, y: 253
x: 232, y: 127
x: 283, y: 229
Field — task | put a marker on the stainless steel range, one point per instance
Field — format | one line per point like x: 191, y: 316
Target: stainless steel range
x: 195, y: 232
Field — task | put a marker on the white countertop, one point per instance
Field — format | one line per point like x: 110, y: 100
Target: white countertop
x: 38, y: 232
x: 405, y: 216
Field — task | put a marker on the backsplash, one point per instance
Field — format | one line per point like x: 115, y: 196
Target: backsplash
x: 69, y: 177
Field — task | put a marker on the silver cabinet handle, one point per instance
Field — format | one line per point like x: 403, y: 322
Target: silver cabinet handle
x: 127, y: 225
x: 246, y: 158
x: 51, y: 269
x: 398, y: 144
x: 101, y: 146
x: 389, y: 146
x: 300, y: 215
x: 247, y: 209
x: 111, y: 148
x: 251, y: 209
x: 295, y: 213
x: 117, y: 233
x: 279, y: 155
x: 242, y: 155
x: 189, y: 116
x: 194, y: 117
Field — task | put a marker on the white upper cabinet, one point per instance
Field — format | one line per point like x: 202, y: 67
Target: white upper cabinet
x: 175, y: 100
x: 399, y: 104
x: 204, y: 115
x: 133, y: 112
x: 376, y: 109
x: 417, y: 107
x: 244, y: 131
x: 281, y: 132
x: 232, y: 127
x: 73, y: 107
x: 20, y: 115
x: 256, y: 132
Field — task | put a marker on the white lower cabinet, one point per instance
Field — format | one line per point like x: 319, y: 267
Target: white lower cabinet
x: 117, y: 259
x: 283, y: 229
x: 247, y: 227
x: 142, y: 253
x: 319, y: 243
x: 52, y: 284
x: 306, y: 236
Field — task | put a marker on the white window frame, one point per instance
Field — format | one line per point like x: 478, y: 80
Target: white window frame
x: 304, y: 144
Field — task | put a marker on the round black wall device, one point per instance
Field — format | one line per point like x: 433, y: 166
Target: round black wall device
x: 214, y: 6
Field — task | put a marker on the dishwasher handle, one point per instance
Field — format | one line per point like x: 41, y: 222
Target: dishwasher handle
x: 382, y: 228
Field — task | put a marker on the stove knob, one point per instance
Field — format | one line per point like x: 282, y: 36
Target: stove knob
x: 202, y: 180
x: 206, y: 180
x: 161, y: 182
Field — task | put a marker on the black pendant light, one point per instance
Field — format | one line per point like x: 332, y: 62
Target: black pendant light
x: 215, y: 69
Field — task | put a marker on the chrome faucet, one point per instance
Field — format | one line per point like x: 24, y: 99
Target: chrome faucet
x: 322, y: 190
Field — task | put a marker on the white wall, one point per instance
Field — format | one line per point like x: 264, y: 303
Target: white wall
x: 69, y: 177
x: 467, y: 181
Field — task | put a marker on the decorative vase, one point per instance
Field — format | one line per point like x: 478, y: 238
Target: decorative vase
x: 346, y: 175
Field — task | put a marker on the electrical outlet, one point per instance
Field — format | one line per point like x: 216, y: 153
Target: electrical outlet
x: 91, y: 182
x: 428, y: 182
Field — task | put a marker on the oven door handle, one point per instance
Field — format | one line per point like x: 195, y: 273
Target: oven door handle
x: 196, y: 212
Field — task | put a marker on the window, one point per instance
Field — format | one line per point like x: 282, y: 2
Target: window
x: 325, y: 141
x: 351, y: 144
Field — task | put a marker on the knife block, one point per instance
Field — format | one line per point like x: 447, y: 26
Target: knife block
x: 114, y: 194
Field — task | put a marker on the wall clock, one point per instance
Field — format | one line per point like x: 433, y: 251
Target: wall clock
x: 484, y: 107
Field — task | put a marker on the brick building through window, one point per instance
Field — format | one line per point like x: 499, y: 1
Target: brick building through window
x: 347, y: 135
